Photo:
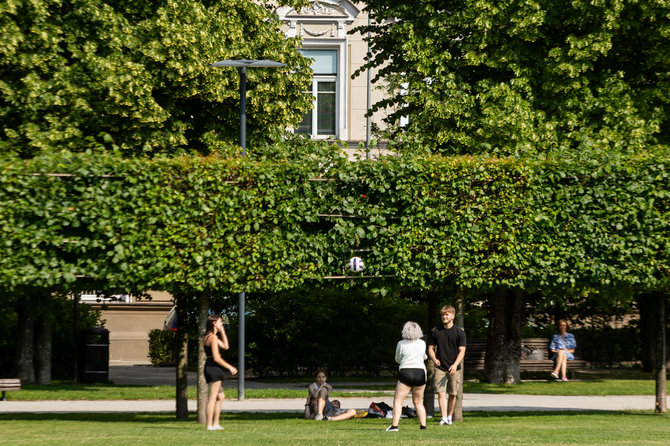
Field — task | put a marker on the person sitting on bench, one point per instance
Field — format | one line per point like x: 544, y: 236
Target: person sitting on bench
x: 563, y: 346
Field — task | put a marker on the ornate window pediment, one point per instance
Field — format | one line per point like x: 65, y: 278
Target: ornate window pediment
x: 322, y: 18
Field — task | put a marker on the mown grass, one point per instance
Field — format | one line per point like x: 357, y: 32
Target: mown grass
x: 80, y: 391
x: 571, y: 388
x: 578, y: 428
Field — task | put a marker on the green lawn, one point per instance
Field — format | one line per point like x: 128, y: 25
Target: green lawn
x: 579, y: 428
x: 593, y: 387
x: 70, y: 391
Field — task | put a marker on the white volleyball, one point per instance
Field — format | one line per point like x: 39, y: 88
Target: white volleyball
x: 356, y: 264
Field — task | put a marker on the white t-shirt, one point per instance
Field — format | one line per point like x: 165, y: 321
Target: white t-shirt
x: 411, y: 354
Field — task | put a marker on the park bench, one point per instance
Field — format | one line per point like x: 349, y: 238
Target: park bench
x: 534, y: 358
x: 9, y: 384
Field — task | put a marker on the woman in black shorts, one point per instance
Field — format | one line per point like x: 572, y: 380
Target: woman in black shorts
x: 410, y: 353
x: 214, y: 341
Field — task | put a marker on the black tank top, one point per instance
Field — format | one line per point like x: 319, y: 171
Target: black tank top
x: 208, y: 349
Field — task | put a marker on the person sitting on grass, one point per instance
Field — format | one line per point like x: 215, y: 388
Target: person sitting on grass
x: 563, y: 346
x: 319, y: 407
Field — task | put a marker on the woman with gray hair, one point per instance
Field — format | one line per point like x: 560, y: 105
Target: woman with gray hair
x: 410, y: 353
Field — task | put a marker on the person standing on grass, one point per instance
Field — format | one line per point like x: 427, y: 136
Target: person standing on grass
x: 410, y: 353
x: 563, y: 346
x: 446, y: 347
x: 214, y: 341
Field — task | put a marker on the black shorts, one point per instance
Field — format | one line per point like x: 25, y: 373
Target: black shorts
x: 213, y: 371
x: 412, y: 377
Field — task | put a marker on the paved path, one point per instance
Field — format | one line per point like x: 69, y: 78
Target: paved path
x: 471, y: 402
x: 166, y: 376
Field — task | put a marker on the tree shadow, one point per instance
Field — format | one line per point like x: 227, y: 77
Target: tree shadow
x: 162, y: 418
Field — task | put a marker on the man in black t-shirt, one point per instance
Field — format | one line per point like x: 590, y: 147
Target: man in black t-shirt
x: 446, y: 347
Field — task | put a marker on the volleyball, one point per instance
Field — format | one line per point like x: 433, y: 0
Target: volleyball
x: 356, y: 264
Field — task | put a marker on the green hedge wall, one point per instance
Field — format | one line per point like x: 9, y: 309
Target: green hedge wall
x: 238, y: 224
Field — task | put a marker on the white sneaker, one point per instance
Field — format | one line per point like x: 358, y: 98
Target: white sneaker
x: 443, y: 421
x: 318, y: 417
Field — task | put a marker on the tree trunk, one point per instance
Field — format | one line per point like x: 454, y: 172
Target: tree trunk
x: 23, y: 362
x: 646, y: 305
x: 460, y: 322
x: 432, y: 318
x: 75, y: 335
x: 182, y: 359
x: 503, y: 349
x: 203, y: 310
x: 43, y: 341
x: 661, y: 370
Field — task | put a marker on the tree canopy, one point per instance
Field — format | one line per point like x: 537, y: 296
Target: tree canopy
x: 137, y: 75
x: 522, y: 77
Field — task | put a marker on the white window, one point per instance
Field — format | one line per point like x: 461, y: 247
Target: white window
x: 94, y: 296
x: 322, y: 120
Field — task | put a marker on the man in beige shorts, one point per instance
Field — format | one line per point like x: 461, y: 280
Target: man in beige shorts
x: 446, y: 347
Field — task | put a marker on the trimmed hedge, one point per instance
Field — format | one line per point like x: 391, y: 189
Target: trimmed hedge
x: 237, y: 224
x: 594, y: 227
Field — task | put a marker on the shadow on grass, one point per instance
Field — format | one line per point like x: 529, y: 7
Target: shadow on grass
x: 148, y: 418
x: 68, y: 386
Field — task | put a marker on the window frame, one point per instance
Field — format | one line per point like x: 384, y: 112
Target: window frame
x: 341, y: 85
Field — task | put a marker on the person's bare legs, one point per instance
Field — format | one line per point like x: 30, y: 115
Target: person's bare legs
x: 417, y: 399
x: 214, y: 389
x: 217, y: 407
x: 561, y: 360
x: 452, y: 404
x: 401, y: 391
x: 321, y: 401
x: 345, y: 416
x: 442, y: 400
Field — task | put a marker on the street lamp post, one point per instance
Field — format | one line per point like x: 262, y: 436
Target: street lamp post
x: 242, y: 65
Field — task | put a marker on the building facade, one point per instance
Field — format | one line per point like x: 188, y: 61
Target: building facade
x: 340, y: 101
x: 129, y: 321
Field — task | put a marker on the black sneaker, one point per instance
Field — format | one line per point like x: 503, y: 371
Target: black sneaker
x: 392, y: 429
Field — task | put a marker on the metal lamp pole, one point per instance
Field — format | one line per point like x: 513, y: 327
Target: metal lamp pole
x: 242, y: 65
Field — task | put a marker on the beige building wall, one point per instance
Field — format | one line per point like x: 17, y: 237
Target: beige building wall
x: 129, y: 324
x: 358, y: 90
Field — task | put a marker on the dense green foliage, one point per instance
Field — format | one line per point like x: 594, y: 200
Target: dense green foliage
x: 227, y: 225
x: 163, y: 348
x: 622, y: 345
x: 137, y: 75
x: 522, y: 77
x: 59, y: 312
x: 345, y: 331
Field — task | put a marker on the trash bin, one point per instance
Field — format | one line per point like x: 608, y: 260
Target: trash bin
x: 94, y: 355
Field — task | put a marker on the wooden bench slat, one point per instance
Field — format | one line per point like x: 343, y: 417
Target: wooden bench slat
x: 476, y: 353
x: 9, y: 384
